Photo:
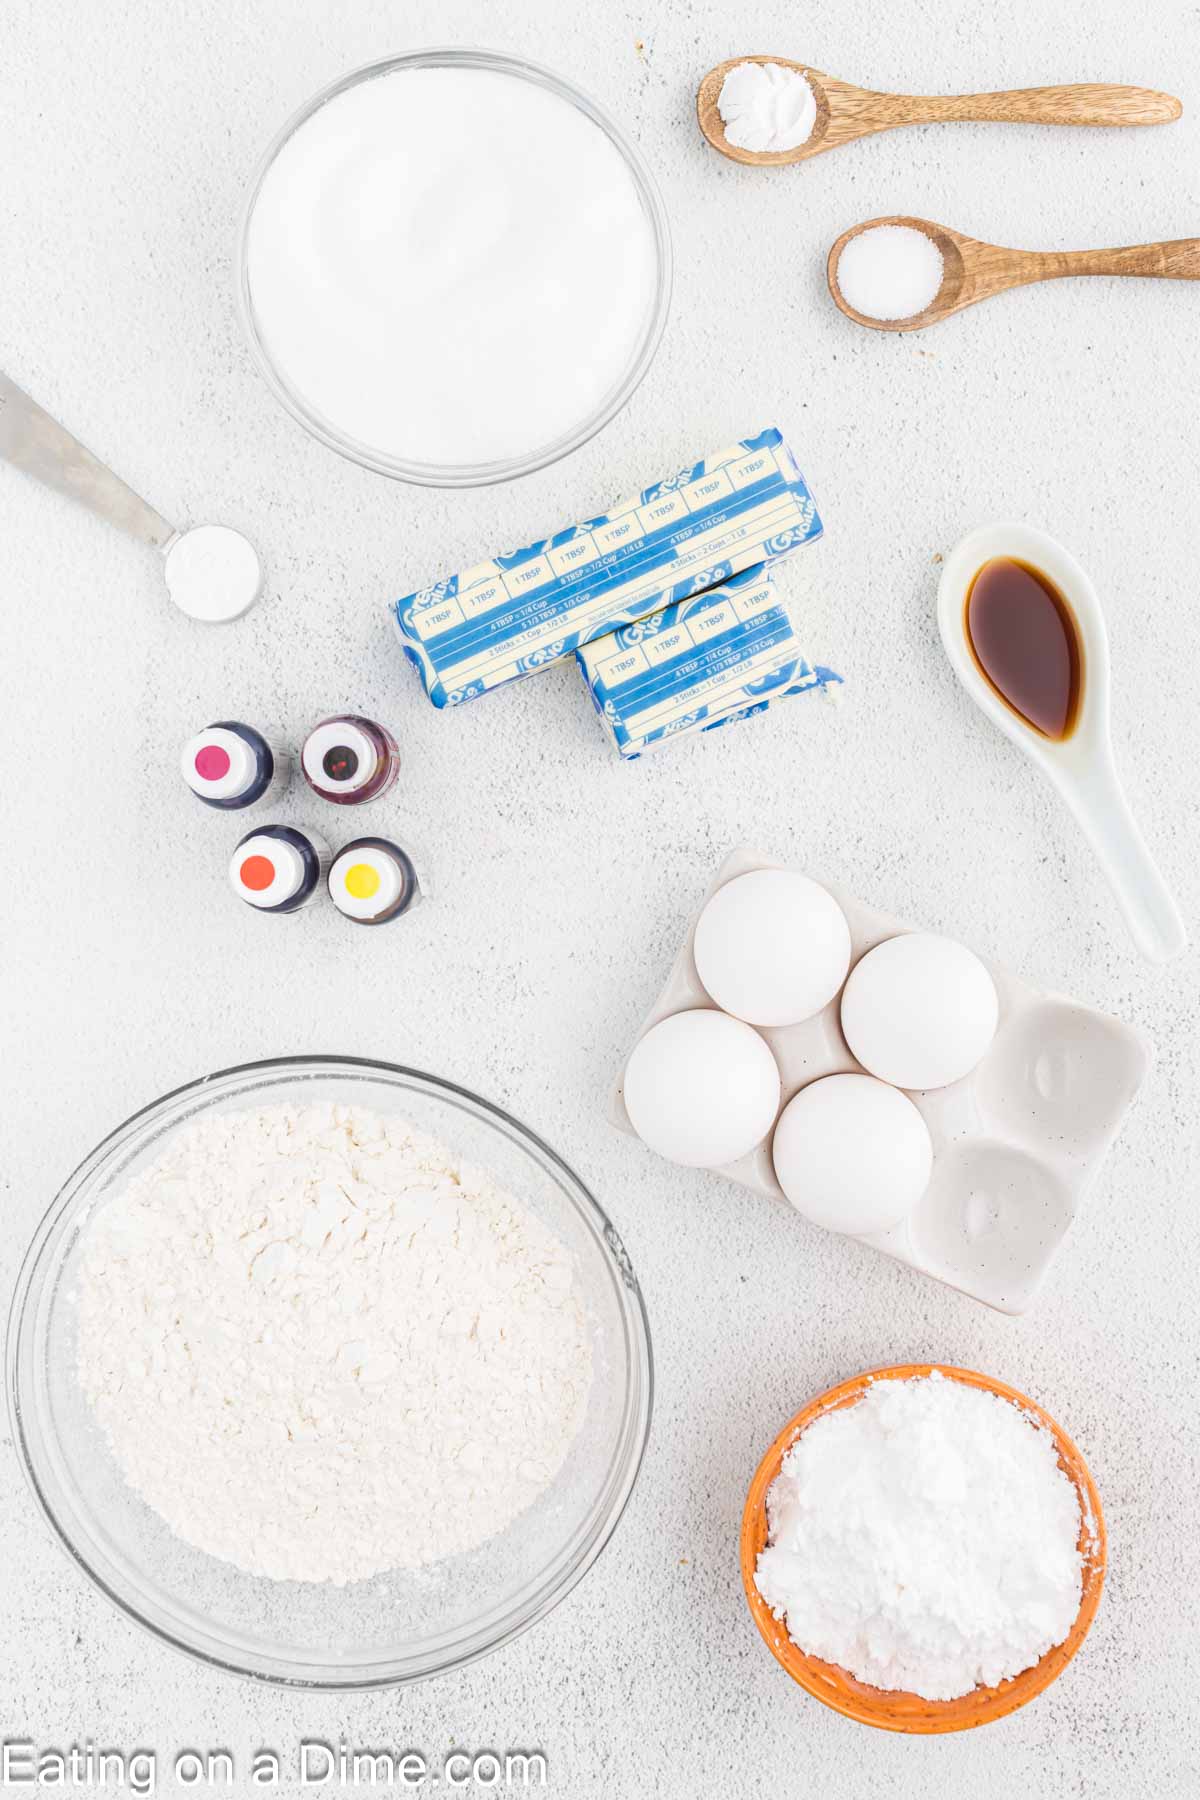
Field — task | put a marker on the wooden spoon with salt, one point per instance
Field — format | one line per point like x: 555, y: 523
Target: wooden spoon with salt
x: 845, y: 112
x: 974, y: 270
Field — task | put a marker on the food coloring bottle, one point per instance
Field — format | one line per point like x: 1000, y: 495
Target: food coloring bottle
x: 372, y: 881
x: 278, y: 868
x: 231, y: 766
x: 349, y: 759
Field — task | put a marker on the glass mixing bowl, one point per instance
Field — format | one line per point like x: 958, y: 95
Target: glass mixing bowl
x: 402, y: 1625
x: 456, y: 475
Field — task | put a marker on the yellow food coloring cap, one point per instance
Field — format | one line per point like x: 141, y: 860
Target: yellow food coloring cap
x: 362, y: 881
x: 372, y: 880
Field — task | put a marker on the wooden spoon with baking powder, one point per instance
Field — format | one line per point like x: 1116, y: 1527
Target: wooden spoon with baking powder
x: 845, y: 112
x: 975, y: 271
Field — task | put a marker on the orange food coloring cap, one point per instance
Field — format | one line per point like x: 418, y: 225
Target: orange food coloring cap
x: 257, y: 873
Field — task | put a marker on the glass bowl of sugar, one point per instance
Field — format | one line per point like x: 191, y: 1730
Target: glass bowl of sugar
x: 329, y: 1373
x: 453, y: 267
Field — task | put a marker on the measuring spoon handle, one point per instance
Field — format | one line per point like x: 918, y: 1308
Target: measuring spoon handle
x: 1087, y: 103
x: 1178, y: 260
x: 33, y: 441
x: 1098, y: 802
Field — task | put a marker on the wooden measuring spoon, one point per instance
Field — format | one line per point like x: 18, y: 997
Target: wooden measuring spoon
x: 975, y: 270
x: 845, y: 112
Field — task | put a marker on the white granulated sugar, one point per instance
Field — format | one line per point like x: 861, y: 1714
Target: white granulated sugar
x: 890, y: 272
x: 767, y: 108
x: 925, y: 1539
x: 320, y: 1347
x: 451, y: 265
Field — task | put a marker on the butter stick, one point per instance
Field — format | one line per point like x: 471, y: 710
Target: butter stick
x: 711, y: 660
x: 515, y: 614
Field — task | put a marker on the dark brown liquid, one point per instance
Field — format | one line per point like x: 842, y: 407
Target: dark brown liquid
x: 1027, y: 644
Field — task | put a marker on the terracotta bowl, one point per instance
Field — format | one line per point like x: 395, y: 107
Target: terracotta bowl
x: 899, y: 1711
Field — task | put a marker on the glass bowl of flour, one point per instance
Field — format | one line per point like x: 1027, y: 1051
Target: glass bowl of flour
x: 453, y: 267
x: 329, y: 1372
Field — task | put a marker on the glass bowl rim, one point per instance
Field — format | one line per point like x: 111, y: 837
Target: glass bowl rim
x: 461, y: 475
x: 472, y: 1641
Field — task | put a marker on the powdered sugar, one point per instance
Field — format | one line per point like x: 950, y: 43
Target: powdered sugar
x: 925, y: 1539
x: 320, y: 1348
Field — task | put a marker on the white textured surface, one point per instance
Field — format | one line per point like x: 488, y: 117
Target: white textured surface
x: 564, y: 878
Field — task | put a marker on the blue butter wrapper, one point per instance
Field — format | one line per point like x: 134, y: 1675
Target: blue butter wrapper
x: 515, y: 614
x: 711, y: 660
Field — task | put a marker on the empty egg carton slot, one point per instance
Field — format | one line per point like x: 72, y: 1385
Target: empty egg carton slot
x: 1015, y: 1143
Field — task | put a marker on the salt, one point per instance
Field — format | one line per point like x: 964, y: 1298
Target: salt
x: 451, y: 266
x: 890, y: 272
x: 766, y: 108
x: 925, y: 1538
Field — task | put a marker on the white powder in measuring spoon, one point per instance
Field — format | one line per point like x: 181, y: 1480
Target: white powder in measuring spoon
x: 890, y: 272
x: 213, y: 573
x: 320, y: 1348
x: 451, y: 265
x: 925, y: 1539
x: 766, y: 107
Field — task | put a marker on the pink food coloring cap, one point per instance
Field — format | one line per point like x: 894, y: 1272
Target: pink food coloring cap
x: 218, y: 764
x: 212, y: 762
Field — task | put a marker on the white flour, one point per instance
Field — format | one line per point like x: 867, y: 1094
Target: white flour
x: 924, y: 1539
x: 319, y: 1347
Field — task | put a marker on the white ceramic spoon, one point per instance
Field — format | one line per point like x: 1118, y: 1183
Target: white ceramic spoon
x: 1081, y: 766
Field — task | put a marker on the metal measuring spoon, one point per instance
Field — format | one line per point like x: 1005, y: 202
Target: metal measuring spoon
x: 212, y: 572
x: 846, y: 112
x: 1080, y: 765
x: 975, y: 270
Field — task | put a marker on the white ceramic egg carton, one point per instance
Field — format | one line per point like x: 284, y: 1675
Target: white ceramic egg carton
x: 1017, y: 1143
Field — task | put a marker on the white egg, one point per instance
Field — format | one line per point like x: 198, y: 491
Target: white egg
x: 701, y: 1089
x: 919, y: 1011
x: 852, y: 1154
x: 772, y: 947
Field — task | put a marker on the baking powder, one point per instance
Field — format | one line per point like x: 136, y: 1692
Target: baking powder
x: 213, y: 573
x: 766, y: 107
x: 925, y: 1539
x: 320, y: 1346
